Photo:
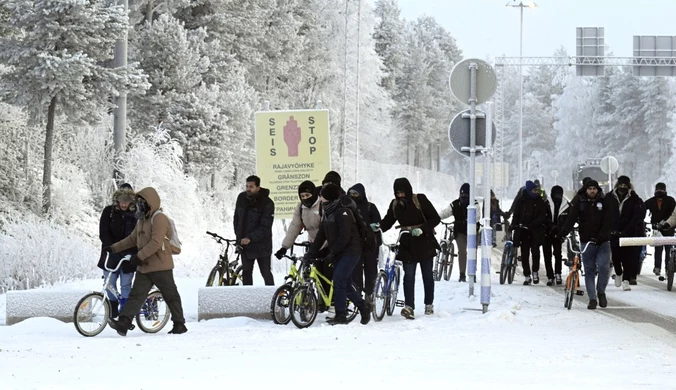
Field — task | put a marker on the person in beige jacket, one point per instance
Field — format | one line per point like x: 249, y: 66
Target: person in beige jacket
x: 306, y: 216
x: 154, y: 263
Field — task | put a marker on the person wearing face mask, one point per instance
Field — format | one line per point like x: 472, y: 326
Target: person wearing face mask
x: 628, y: 211
x: 154, y: 262
x: 117, y: 222
x: 366, y: 271
x: 590, y: 210
x: 558, y: 212
x: 420, y: 246
x: 661, y: 206
x: 458, y: 210
x: 306, y: 216
x: 528, y: 226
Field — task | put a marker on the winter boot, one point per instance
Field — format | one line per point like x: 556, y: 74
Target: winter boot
x: 656, y: 271
x: 429, y: 310
x: 407, y: 312
x: 558, y: 279
x: 114, y: 312
x: 592, y: 304
x: 365, y: 313
x: 603, y: 302
x: 369, y: 299
x: 121, y: 325
x: 625, y: 285
x: 463, y: 278
x: 527, y: 281
x: 536, y: 278
x: 550, y: 282
x: 179, y: 328
x: 339, y: 319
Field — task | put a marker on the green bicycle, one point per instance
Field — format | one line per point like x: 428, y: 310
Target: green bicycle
x: 279, y: 307
x: 305, y: 299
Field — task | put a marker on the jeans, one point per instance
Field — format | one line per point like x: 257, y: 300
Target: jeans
x: 596, y: 259
x: 342, y: 284
x: 658, y: 255
x: 428, y: 281
x: 125, y: 284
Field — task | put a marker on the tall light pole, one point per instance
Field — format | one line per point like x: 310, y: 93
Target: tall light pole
x: 521, y: 5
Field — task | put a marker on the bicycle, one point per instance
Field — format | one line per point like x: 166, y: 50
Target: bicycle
x: 650, y: 231
x: 443, y: 266
x: 225, y: 272
x: 510, y: 259
x: 304, y: 300
x: 152, y: 317
x: 387, y: 284
x: 280, y: 305
x: 573, y: 278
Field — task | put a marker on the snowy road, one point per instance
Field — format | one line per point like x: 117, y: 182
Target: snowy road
x: 526, y: 340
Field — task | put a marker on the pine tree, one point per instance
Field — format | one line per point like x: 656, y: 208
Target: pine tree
x: 53, y: 55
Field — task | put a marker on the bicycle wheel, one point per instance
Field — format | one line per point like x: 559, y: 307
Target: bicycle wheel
x: 670, y: 274
x: 351, y: 312
x: 91, y: 314
x: 439, y: 263
x: 303, y: 307
x: 571, y: 289
x: 513, y: 261
x: 504, y: 265
x: 280, y: 305
x: 154, y: 313
x: 215, y: 277
x: 448, y: 261
x: 380, y: 297
x: 394, y: 290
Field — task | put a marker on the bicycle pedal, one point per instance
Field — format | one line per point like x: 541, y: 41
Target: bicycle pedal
x: 661, y: 279
x: 401, y: 303
x: 132, y: 326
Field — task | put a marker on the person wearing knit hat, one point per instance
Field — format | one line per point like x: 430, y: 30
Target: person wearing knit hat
x: 305, y: 217
x: 661, y: 206
x: 458, y: 210
x: 416, y: 215
x: 339, y: 231
x: 628, y: 212
x: 332, y: 177
x: 528, y: 226
x: 591, y: 211
x: 558, y: 211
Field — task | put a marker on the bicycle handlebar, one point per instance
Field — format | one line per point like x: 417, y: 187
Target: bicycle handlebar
x: 447, y: 223
x: 221, y: 239
x: 305, y: 244
x: 570, y: 247
x: 119, y: 264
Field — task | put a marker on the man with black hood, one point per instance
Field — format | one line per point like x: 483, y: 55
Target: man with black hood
x: 458, y: 210
x: 366, y: 271
x: 340, y: 232
x: 528, y: 226
x: 590, y: 209
x: 661, y: 206
x: 628, y: 212
x: 558, y: 212
x: 416, y: 214
x: 254, y: 215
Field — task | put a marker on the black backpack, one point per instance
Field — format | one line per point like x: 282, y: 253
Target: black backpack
x: 367, y: 237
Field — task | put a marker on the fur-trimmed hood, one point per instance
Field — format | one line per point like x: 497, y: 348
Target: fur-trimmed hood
x: 125, y: 194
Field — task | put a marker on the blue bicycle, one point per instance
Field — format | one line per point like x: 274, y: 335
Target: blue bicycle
x: 387, y: 284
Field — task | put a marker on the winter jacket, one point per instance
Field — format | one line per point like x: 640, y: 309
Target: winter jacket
x: 594, y: 217
x: 339, y: 230
x: 459, y: 214
x: 414, y: 249
x: 531, y: 213
x: 304, y: 217
x: 368, y: 211
x: 628, y: 214
x: 253, y: 220
x: 154, y: 250
x: 661, y: 210
x: 115, y: 225
x: 496, y: 212
x: 557, y: 218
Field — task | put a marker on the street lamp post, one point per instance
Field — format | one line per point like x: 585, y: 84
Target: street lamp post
x: 521, y: 5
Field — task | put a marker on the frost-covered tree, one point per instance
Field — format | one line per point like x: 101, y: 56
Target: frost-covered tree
x: 53, y: 55
x: 389, y: 35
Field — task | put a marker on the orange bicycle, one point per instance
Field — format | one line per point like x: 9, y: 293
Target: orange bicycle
x: 574, y: 274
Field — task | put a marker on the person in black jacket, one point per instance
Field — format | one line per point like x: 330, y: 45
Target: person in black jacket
x: 254, y: 215
x: 528, y: 226
x: 558, y: 212
x: 628, y: 212
x: 116, y: 223
x: 419, y: 246
x: 366, y: 271
x: 458, y: 210
x: 661, y: 206
x: 592, y: 211
x: 339, y: 230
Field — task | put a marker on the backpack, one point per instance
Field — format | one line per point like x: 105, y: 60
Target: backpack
x: 367, y: 237
x: 416, y: 202
x: 174, y: 241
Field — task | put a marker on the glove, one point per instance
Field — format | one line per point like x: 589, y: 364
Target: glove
x: 135, y: 261
x: 375, y: 226
x: 328, y: 259
x: 662, y: 226
x: 416, y: 232
x: 280, y: 253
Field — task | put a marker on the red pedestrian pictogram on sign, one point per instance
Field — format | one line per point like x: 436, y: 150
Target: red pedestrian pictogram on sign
x: 292, y: 136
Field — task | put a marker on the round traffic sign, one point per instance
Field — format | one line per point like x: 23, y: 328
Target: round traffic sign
x: 609, y: 164
x: 460, y: 80
x: 554, y: 173
x: 458, y: 132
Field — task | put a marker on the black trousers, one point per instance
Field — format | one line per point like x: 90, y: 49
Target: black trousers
x: 365, y: 272
x: 552, y: 245
x: 164, y: 280
x: 624, y: 260
x: 264, y: 265
x: 528, y: 246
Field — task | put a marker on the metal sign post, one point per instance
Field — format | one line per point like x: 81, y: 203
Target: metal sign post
x: 482, y: 85
x: 487, y: 236
x: 609, y: 165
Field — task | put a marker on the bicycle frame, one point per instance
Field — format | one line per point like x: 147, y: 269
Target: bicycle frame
x: 224, y: 263
x: 107, y: 287
x: 390, y: 267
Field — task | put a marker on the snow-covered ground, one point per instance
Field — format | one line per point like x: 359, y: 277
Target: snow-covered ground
x: 526, y: 340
